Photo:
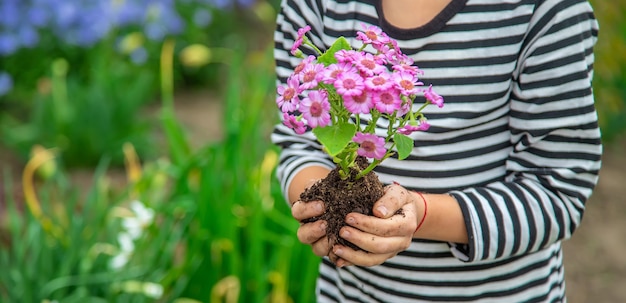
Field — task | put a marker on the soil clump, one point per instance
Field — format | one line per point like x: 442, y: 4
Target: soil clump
x: 342, y: 197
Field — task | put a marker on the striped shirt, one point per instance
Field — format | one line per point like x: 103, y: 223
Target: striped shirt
x: 517, y: 144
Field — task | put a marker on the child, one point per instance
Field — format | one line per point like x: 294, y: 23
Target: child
x: 499, y: 179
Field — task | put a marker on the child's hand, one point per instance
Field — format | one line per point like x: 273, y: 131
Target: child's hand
x: 383, y: 235
x: 313, y: 233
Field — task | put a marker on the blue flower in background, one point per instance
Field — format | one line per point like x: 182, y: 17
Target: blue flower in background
x: 6, y: 83
x: 83, y: 23
x: 8, y: 44
x: 139, y: 56
x: 15, y: 33
x: 202, y: 18
x: 162, y: 19
x: 86, y: 22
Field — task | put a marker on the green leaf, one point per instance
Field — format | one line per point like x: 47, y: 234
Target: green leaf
x: 328, y: 57
x: 404, y: 144
x: 335, y: 137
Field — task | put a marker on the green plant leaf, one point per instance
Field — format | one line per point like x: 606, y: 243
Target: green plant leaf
x: 404, y: 144
x: 328, y: 57
x: 335, y: 137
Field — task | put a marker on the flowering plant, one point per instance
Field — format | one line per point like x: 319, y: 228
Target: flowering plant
x: 332, y: 92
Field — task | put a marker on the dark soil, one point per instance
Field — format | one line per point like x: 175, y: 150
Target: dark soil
x: 342, y: 197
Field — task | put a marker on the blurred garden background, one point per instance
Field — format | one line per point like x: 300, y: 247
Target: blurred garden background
x: 136, y: 165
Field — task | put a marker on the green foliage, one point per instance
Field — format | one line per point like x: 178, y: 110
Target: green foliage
x: 609, y: 69
x: 86, y: 120
x: 243, y: 238
x: 93, y: 107
x: 335, y: 137
x: 65, y: 254
x: 404, y: 145
x: 328, y: 57
x: 221, y: 228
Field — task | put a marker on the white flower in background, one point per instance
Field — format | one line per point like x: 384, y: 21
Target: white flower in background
x: 126, y: 250
x: 149, y: 289
x: 142, y: 218
x: 153, y: 290
x: 133, y: 227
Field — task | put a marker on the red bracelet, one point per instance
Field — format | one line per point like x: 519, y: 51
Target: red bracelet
x: 425, y: 211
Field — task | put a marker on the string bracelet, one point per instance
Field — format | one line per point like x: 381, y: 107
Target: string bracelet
x: 425, y: 212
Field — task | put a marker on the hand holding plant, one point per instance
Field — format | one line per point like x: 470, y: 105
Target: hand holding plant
x: 342, y: 95
x: 332, y: 93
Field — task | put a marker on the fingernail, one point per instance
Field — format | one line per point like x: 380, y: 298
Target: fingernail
x: 323, y: 226
x: 341, y: 263
x: 319, y: 207
x: 345, y: 234
x: 382, y: 210
x: 338, y: 251
x: 350, y: 220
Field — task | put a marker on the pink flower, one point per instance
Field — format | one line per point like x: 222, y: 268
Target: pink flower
x: 372, y: 35
x: 288, y: 95
x: 298, y: 42
x: 346, y: 55
x: 361, y: 104
x: 293, y: 123
x: 369, y: 64
x: 387, y: 54
x: 410, y: 128
x: 406, y: 83
x: 404, y: 109
x: 370, y: 145
x: 316, y: 108
x: 311, y: 75
x: 433, y: 97
x: 379, y: 82
x: 387, y: 101
x: 332, y: 72
x: 405, y: 68
x: 349, y: 84
x: 300, y: 67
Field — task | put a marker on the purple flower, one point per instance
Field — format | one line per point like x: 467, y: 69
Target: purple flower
x: 370, y: 145
x: 433, y: 97
x: 288, y: 95
x: 410, y: 128
x: 300, y: 67
x: 293, y: 123
x: 361, y: 104
x: 380, y: 82
x: 372, y: 35
x: 332, y: 72
x: 311, y: 75
x: 315, y: 108
x: 387, y: 101
x: 369, y: 64
x: 406, y: 82
x: 300, y: 39
x: 346, y: 56
x: 349, y: 84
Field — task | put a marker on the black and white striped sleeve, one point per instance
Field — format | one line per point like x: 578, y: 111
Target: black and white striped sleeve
x: 297, y: 151
x: 555, y: 159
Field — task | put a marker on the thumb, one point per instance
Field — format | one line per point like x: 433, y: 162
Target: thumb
x: 391, y: 202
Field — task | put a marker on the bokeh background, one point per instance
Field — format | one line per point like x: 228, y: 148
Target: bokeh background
x: 136, y: 165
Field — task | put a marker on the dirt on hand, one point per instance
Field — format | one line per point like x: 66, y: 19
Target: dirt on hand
x: 342, y: 197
